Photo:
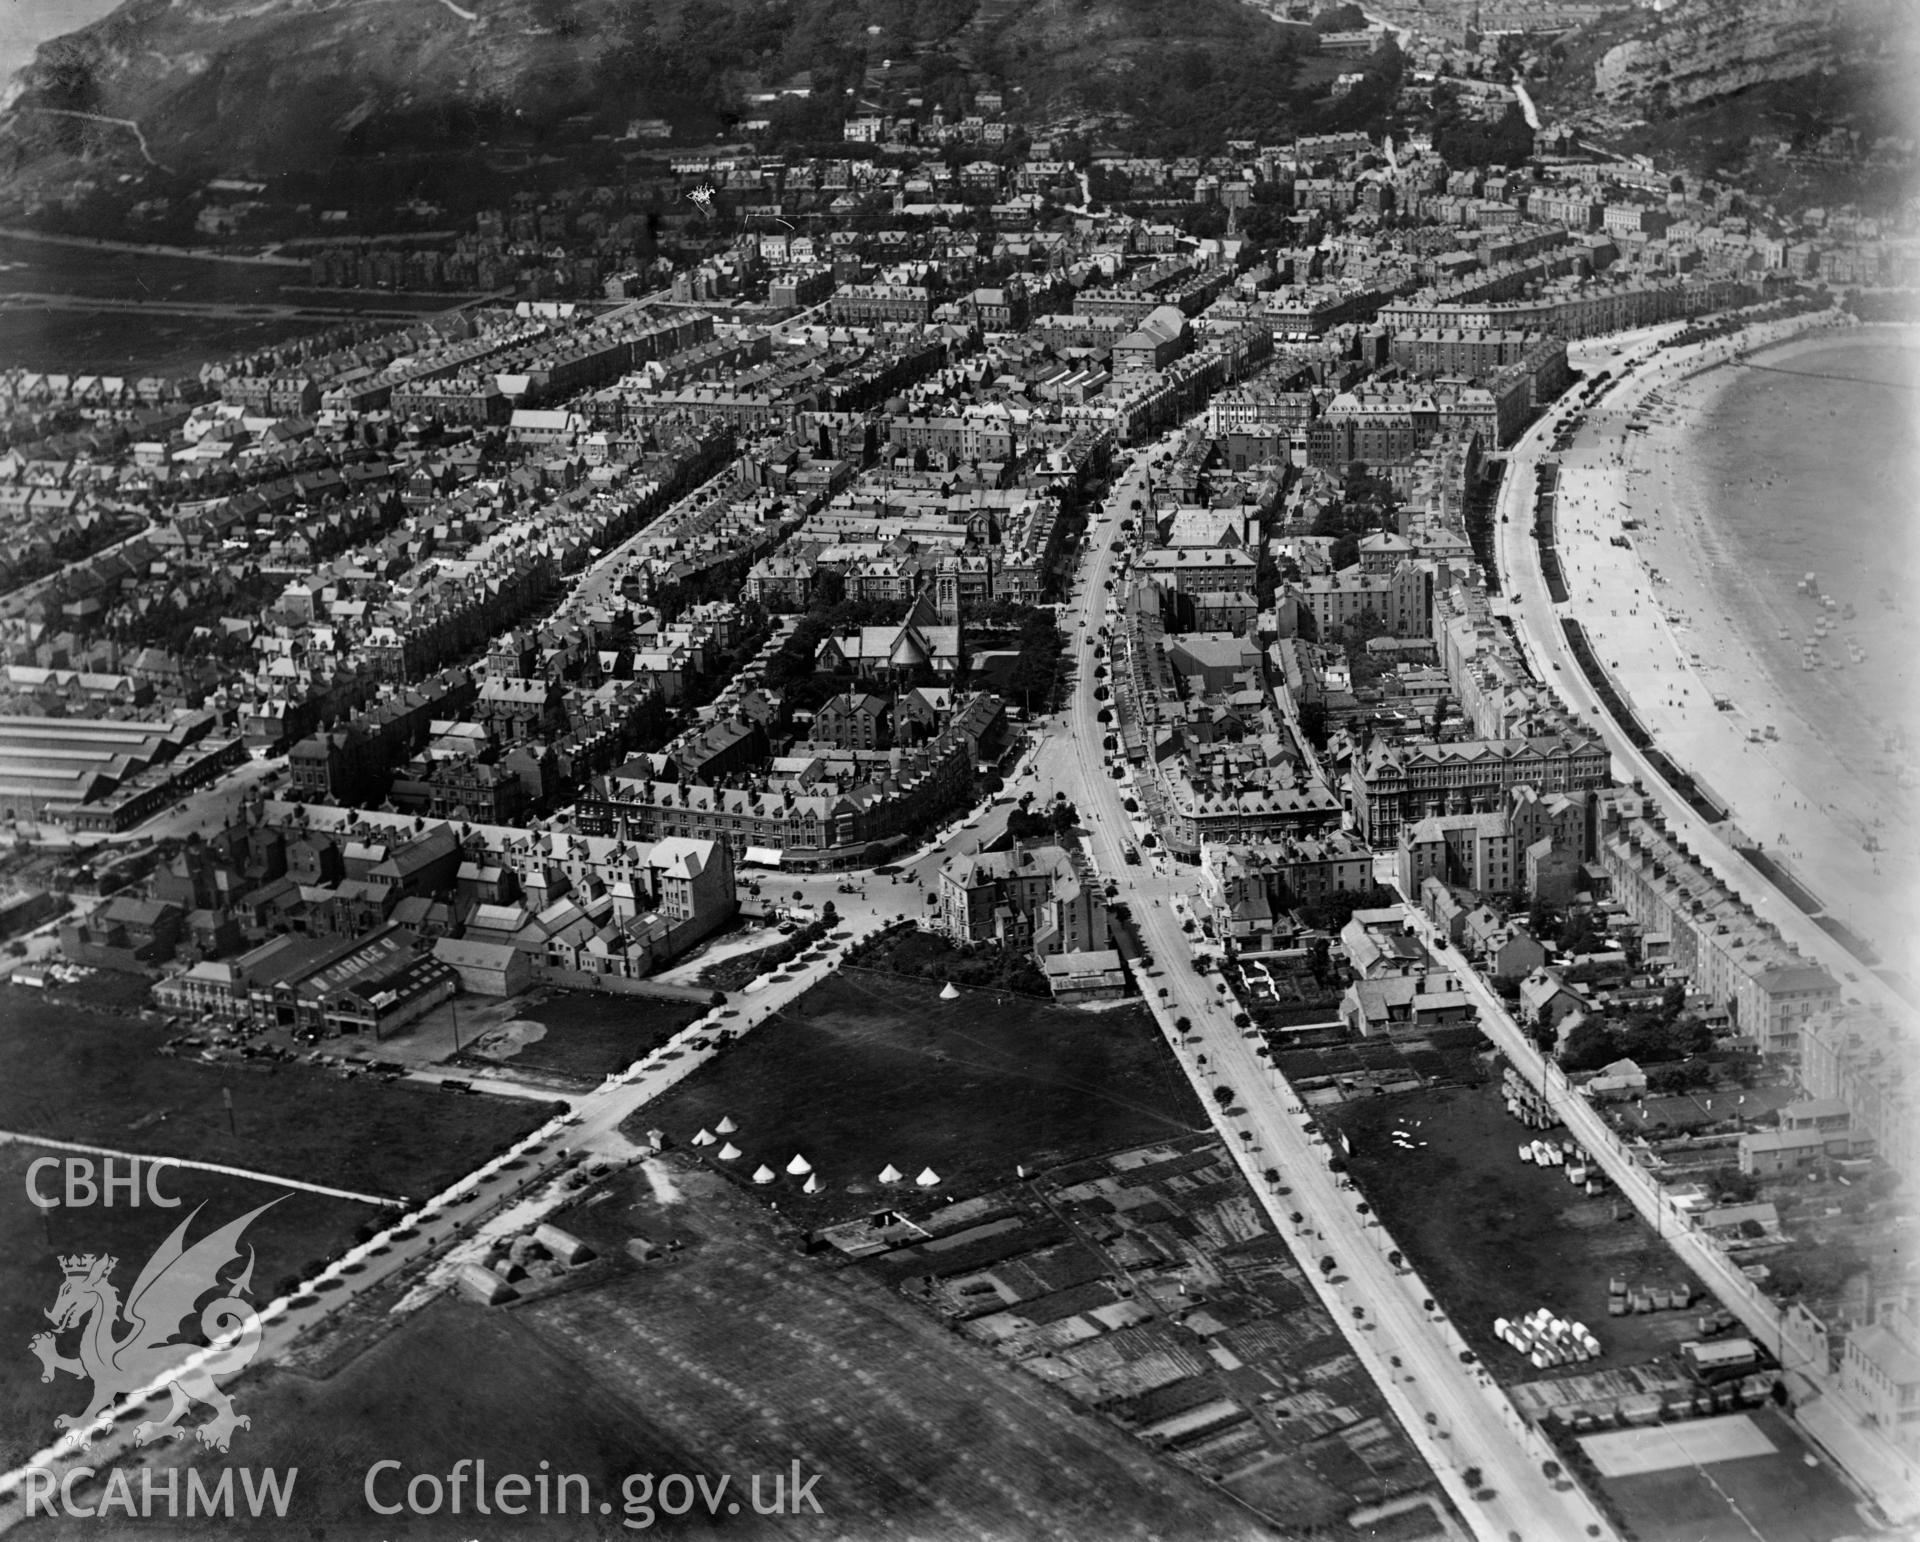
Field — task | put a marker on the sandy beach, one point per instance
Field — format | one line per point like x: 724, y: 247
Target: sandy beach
x: 1809, y: 767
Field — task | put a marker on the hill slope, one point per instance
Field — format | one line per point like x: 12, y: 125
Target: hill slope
x: 266, y: 86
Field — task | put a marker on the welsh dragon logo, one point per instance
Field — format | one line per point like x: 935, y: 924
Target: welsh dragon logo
x: 146, y: 1353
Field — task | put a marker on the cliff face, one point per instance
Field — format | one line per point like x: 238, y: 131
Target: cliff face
x: 1698, y: 50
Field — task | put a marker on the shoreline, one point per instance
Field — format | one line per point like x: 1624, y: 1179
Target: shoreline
x: 1659, y: 612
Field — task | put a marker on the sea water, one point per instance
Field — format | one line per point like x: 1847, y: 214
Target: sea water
x: 1808, y: 461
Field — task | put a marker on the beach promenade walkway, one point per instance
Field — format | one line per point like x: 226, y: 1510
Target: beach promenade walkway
x: 1831, y: 1418
x: 1751, y: 790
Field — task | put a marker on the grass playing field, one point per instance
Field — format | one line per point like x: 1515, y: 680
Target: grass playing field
x: 589, y: 1034
x: 299, y: 1229
x: 86, y: 1076
x: 871, y: 1069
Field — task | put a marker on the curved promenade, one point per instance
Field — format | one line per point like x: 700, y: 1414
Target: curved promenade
x: 1865, y: 1454
x: 1638, y: 643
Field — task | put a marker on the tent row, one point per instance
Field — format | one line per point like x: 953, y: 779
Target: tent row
x: 799, y: 1167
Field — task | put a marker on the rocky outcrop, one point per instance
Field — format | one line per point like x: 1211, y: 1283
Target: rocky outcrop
x: 1696, y: 51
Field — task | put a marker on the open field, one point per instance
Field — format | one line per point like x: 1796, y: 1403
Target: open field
x: 103, y: 273
x: 83, y: 1076
x: 106, y: 273
x: 301, y: 1228
x: 416, y: 1398
x: 119, y: 342
x: 135, y: 335
x: 729, y: 1357
x: 739, y: 1344
x: 870, y: 1069
x: 588, y: 1034
x: 1775, y: 1497
x: 1510, y: 1236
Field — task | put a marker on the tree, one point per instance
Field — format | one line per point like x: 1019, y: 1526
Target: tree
x: 1471, y: 1476
x: 1684, y: 1077
x: 1467, y: 141
x: 1223, y: 1095
x: 1331, y: 912
x: 1580, y: 933
x: 1590, y: 1046
x: 1741, y: 1188
x: 1320, y: 960
x: 1313, y: 723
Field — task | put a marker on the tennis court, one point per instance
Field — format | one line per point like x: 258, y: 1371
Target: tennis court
x: 1743, y: 1477
x: 1656, y: 1448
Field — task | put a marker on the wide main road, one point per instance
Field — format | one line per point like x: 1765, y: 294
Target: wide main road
x: 1451, y: 1408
